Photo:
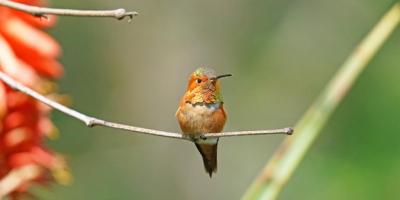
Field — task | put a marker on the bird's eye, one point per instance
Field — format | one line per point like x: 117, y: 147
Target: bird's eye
x: 198, y: 80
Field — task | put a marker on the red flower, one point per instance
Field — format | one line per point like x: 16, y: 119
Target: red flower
x: 29, y: 56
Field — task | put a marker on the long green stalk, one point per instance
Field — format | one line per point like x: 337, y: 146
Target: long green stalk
x: 282, y: 165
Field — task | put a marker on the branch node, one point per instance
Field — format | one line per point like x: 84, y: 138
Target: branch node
x: 39, y: 14
x: 90, y: 122
x: 121, y: 14
x: 289, y: 131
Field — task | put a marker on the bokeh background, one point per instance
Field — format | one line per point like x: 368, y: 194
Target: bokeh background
x: 281, y: 53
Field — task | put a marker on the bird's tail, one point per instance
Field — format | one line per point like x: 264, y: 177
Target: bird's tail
x: 209, y: 153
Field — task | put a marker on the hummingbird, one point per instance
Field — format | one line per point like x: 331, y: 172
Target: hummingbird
x: 201, y: 110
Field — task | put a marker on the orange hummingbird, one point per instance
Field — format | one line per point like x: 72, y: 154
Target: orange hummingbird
x: 201, y: 110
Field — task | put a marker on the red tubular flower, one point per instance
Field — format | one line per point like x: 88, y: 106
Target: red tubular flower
x: 29, y: 56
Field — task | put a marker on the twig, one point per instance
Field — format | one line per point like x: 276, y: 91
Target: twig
x: 92, y: 121
x: 282, y: 165
x: 40, y: 11
x: 16, y: 177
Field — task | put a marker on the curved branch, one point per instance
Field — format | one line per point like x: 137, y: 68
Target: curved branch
x: 41, y: 11
x: 92, y: 121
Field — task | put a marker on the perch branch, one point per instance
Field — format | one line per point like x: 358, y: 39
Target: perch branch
x: 40, y: 11
x: 289, y: 155
x: 16, y: 178
x: 92, y: 121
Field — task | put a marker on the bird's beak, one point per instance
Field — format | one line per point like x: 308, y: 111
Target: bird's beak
x: 223, y: 75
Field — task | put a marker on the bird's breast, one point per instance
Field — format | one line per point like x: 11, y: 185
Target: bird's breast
x: 201, y: 118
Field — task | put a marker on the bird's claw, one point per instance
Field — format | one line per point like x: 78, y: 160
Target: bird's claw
x: 203, y: 137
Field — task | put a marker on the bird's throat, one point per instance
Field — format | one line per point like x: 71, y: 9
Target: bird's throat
x: 212, y: 106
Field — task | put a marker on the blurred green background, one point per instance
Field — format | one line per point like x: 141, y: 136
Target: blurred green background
x: 281, y: 53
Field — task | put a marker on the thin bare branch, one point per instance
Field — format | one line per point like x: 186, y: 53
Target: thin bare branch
x: 92, y: 121
x: 16, y: 177
x: 41, y: 11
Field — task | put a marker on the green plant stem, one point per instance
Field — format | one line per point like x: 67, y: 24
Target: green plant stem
x: 288, y: 156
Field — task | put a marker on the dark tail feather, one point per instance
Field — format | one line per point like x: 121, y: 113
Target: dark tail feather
x: 209, y: 154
